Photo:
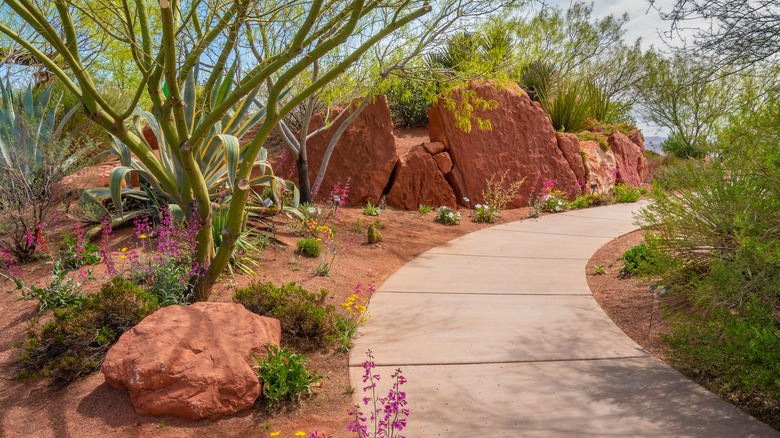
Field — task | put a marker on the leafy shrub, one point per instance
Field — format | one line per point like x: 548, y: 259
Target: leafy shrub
x: 731, y: 351
x: 424, y: 209
x: 284, y: 376
x: 371, y: 210
x: 76, y: 252
x: 484, y: 214
x: 636, y: 259
x: 626, y: 193
x: 409, y: 101
x: 62, y: 290
x: 673, y: 145
x: 447, y: 216
x: 307, y: 321
x: 586, y: 200
x: 555, y: 201
x: 310, y: 247
x: 75, y: 342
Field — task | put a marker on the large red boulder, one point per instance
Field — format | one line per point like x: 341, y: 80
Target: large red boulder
x: 630, y: 158
x: 419, y: 180
x: 600, y: 166
x: 365, y: 153
x: 522, y: 142
x: 569, y: 145
x: 192, y: 361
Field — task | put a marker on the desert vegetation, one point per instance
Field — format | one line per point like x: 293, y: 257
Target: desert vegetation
x: 195, y: 100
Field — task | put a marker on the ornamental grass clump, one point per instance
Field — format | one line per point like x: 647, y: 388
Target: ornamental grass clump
x: 447, y: 216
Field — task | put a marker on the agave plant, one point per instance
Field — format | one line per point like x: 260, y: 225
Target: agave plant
x: 33, y: 158
x: 218, y: 159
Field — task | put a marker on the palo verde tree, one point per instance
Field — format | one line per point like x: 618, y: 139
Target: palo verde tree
x: 206, y: 33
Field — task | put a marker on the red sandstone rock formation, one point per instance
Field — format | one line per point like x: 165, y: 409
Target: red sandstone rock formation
x: 420, y: 180
x: 629, y: 157
x: 192, y: 361
x: 569, y: 145
x: 365, y: 153
x: 522, y: 142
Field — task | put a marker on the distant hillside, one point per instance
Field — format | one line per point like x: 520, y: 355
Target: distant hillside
x: 653, y: 143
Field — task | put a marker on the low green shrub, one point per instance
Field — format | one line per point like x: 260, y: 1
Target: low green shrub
x: 732, y: 351
x: 310, y: 247
x: 626, y: 193
x: 484, y: 214
x: 371, y: 210
x: 637, y: 259
x: 555, y: 201
x: 447, y: 216
x: 601, y: 139
x: 307, y: 321
x: 284, y: 376
x: 424, y: 209
x: 75, y: 342
x: 587, y: 200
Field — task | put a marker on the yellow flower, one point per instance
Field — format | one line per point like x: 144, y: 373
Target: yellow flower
x: 300, y: 433
x: 142, y: 236
x: 123, y: 257
x: 276, y: 433
x: 124, y: 249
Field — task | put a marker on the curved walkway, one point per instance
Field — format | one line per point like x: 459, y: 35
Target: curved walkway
x: 498, y: 335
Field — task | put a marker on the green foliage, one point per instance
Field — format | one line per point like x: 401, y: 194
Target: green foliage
x: 371, y: 210
x: 61, y: 291
x: 601, y: 139
x: 447, y: 216
x: 309, y: 247
x: 166, y: 280
x: 636, y: 259
x: 34, y: 158
x: 75, y: 342
x: 733, y: 352
x: 568, y: 107
x: 75, y: 252
x: 484, y: 214
x: 715, y: 225
x: 248, y: 245
x: 674, y: 146
x: 307, y: 321
x: 284, y: 376
x: 424, y: 209
x: 409, y: 101
x: 586, y: 200
x: 555, y: 201
x: 626, y: 193
x: 538, y: 79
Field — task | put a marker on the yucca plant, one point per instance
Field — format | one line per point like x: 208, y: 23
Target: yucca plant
x: 538, y: 78
x: 568, y: 106
x: 33, y: 159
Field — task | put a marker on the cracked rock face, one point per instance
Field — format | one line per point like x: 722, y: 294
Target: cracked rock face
x: 192, y: 361
x: 521, y: 142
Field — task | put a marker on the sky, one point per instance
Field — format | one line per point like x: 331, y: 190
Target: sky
x: 644, y: 22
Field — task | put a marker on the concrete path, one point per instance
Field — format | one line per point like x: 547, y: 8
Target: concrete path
x: 499, y: 336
